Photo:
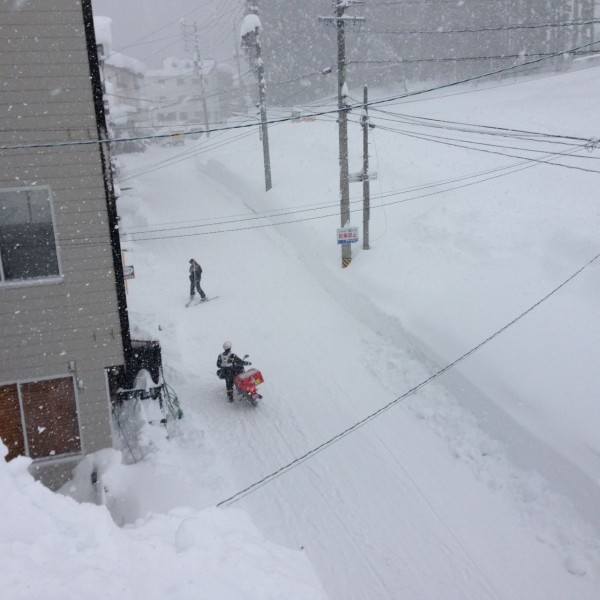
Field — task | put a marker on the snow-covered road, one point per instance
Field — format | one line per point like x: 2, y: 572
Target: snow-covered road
x: 420, y: 503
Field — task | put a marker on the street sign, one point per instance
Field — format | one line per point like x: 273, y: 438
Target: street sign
x: 347, y: 235
x: 128, y: 272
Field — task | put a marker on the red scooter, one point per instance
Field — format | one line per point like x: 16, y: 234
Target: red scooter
x: 245, y: 383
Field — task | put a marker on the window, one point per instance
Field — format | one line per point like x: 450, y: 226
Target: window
x: 39, y: 418
x: 180, y: 81
x: 27, y: 242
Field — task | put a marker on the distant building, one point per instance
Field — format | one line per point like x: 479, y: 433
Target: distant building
x: 123, y: 83
x: 185, y: 94
x: 182, y: 94
x: 63, y: 314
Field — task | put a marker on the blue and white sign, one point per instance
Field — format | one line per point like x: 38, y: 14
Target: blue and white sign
x: 347, y: 235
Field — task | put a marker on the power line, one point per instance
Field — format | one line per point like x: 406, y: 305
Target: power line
x: 493, y: 129
x: 181, y: 157
x: 431, y: 138
x: 403, y: 61
x: 541, y: 138
x: 349, y: 430
x: 325, y: 112
x: 85, y: 241
x: 483, y: 28
x: 271, y: 214
x: 326, y: 205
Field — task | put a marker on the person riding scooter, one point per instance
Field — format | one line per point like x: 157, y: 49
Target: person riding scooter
x: 230, y: 365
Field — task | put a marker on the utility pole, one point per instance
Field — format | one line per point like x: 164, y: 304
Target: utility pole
x: 340, y: 20
x: 366, y: 188
x: 241, y: 85
x: 251, y: 28
x: 192, y: 34
x: 343, y: 129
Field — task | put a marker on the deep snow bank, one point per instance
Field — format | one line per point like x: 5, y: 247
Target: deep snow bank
x: 53, y: 547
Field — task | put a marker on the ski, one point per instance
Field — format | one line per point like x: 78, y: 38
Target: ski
x: 195, y: 302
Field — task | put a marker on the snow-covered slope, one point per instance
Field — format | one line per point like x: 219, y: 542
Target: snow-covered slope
x: 54, y: 547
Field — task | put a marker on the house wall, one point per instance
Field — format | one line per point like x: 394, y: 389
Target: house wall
x: 66, y: 325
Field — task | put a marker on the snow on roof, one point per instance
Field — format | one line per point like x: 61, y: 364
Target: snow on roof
x: 102, y: 29
x: 122, y: 61
x: 250, y: 24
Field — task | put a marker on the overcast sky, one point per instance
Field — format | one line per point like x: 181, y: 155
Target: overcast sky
x: 150, y: 30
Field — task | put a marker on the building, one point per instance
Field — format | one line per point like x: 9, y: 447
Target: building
x: 63, y: 313
x: 185, y: 94
x: 123, y: 80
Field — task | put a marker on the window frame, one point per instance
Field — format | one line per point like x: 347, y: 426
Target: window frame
x: 24, y: 432
x: 41, y: 280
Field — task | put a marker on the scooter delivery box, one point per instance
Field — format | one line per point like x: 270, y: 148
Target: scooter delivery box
x: 248, y: 379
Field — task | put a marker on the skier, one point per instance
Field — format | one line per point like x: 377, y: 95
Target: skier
x: 230, y: 365
x: 195, y: 276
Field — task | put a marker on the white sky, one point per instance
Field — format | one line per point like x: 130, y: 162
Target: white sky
x: 150, y: 30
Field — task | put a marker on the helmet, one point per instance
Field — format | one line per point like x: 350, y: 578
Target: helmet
x: 226, y: 345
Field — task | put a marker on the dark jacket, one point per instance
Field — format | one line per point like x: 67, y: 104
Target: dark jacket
x: 230, y: 363
x: 195, y: 271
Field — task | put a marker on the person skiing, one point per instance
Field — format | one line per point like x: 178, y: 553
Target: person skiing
x: 195, y: 276
x: 230, y: 365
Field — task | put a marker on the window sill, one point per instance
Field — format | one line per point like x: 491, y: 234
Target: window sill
x: 44, y: 460
x: 30, y: 282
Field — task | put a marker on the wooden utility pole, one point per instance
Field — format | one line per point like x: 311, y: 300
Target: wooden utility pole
x: 340, y: 23
x: 366, y: 187
x: 262, y: 99
x: 343, y: 129
x: 193, y: 34
x: 241, y: 85
x: 251, y: 42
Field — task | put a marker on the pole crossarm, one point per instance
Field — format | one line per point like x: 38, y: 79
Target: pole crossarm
x: 342, y: 19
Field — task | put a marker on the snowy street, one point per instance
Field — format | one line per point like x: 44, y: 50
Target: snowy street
x: 481, y: 484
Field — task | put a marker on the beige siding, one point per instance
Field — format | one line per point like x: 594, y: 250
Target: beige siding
x: 46, y: 97
x: 36, y: 15
x: 62, y: 83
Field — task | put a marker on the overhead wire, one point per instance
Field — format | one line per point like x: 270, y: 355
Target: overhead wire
x: 438, y: 139
x: 128, y: 175
x: 473, y: 127
x: 483, y: 28
x: 521, y: 135
x: 403, y: 61
x: 377, y: 102
x: 495, y: 173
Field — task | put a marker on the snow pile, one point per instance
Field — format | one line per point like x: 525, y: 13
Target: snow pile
x: 53, y: 547
x: 103, y: 31
x: 122, y: 61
